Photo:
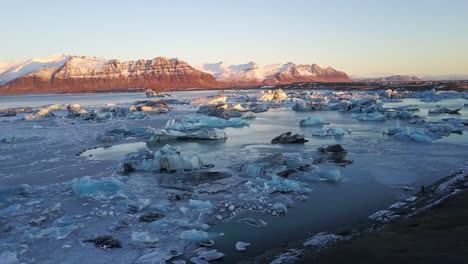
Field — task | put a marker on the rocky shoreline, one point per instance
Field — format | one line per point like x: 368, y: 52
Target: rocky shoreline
x: 428, y: 227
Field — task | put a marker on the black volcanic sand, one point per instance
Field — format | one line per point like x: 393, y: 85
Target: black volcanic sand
x: 440, y: 235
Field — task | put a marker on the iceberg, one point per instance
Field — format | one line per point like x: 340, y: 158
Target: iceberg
x: 104, y: 188
x: 197, y: 122
x: 205, y: 133
x: 276, y: 95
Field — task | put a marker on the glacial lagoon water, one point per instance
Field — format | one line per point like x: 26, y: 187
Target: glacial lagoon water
x: 381, y: 166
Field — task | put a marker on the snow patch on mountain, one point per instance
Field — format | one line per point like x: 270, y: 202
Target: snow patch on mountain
x: 12, y: 70
x: 272, y: 73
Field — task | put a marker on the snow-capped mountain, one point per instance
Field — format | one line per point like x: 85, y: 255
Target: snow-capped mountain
x: 77, y: 74
x: 254, y: 74
x: 12, y: 70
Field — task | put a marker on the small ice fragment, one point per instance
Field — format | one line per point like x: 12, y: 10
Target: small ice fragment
x: 103, y: 188
x: 241, y: 246
x: 332, y: 175
x: 200, y: 205
x: 194, y: 235
x: 197, y: 260
x: 210, y: 255
x: 144, y: 237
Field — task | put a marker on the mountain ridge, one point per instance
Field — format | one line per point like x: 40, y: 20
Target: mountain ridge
x: 77, y: 74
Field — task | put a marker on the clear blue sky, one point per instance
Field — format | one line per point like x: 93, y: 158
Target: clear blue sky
x: 368, y: 37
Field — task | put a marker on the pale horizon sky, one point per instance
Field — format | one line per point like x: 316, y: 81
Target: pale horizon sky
x: 362, y: 38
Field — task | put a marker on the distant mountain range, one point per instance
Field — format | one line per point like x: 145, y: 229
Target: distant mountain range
x: 253, y: 74
x: 393, y: 78
x: 78, y: 74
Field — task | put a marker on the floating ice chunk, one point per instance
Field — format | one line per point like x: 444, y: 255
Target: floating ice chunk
x: 238, y: 107
x: 41, y: 114
x: 301, y: 106
x: 178, y: 262
x: 248, y: 115
x: 310, y: 121
x: 200, y: 205
x: 322, y: 240
x: 206, y: 133
x: 182, y: 162
x: 371, y: 117
x: 104, y: 188
x: 60, y: 229
x: 294, y: 160
x: 144, y: 237
x: 420, y: 138
x: 241, y: 246
x: 156, y: 256
x: 253, y: 170
x: 332, y: 175
x: 219, y: 100
x: 279, y: 184
x: 276, y: 95
x: 167, y: 150
x: 198, y: 260
x: 210, y: 255
x: 9, y: 257
x: 394, y: 130
x: 200, y: 121
x: 149, y: 165
x: 194, y: 235
x: 279, y: 208
x: 327, y: 132
x: 137, y: 115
